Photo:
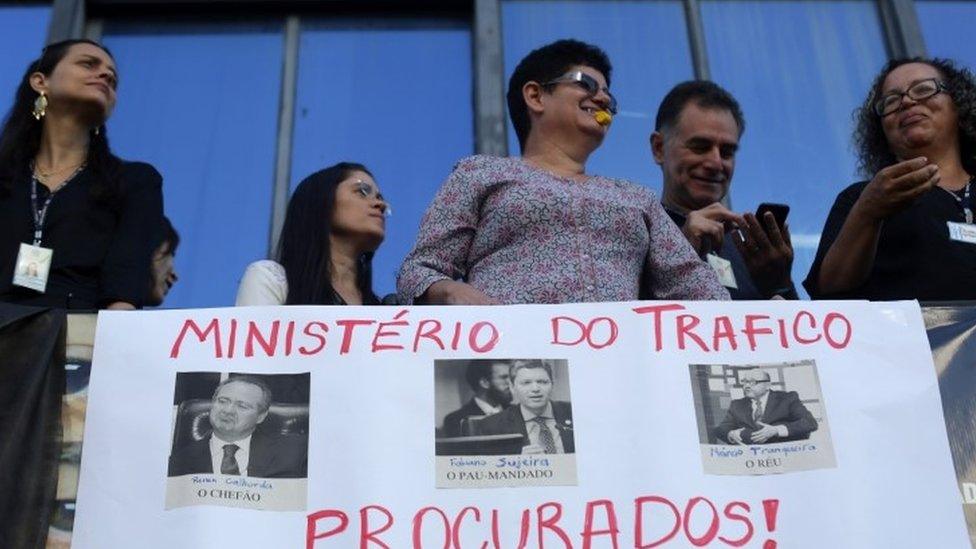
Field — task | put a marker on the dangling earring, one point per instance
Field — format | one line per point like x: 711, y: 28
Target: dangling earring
x: 96, y: 130
x: 40, y: 106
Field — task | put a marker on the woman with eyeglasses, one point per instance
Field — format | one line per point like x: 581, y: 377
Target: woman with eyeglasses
x: 908, y: 232
x: 539, y: 228
x: 336, y: 220
x: 77, y: 224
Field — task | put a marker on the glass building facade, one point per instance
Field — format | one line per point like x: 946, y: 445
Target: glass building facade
x: 236, y: 104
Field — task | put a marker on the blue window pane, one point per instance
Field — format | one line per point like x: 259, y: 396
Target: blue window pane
x: 200, y: 103
x: 798, y: 69
x: 948, y: 27
x: 395, y: 96
x: 22, y: 33
x: 647, y: 43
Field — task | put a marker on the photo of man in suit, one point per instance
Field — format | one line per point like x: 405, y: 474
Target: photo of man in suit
x: 489, y: 379
x: 764, y: 416
x: 546, y: 425
x: 236, y: 445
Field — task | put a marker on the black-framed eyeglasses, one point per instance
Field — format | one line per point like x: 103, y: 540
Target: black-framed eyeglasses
x: 587, y: 83
x: 923, y: 89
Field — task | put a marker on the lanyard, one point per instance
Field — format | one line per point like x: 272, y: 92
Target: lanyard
x: 967, y: 208
x: 39, y: 214
x: 966, y: 201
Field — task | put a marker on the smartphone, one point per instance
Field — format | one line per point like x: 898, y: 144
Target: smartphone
x: 780, y: 211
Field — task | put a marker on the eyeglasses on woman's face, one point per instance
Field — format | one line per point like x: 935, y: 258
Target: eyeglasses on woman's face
x: 365, y: 190
x: 588, y: 84
x: 918, y: 91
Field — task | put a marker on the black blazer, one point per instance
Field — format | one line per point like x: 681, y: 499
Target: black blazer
x: 782, y: 408
x: 452, y: 421
x: 510, y: 421
x: 283, y: 456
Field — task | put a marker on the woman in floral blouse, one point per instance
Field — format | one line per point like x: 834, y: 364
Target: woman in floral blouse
x: 538, y: 228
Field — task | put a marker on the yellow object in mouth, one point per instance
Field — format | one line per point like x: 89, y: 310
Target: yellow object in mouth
x: 603, y: 118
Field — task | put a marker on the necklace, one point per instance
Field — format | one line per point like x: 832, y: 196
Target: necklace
x: 40, y: 212
x: 965, y: 200
x: 42, y: 175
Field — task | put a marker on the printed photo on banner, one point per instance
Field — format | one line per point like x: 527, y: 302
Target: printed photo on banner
x: 79, y: 347
x: 503, y: 422
x: 239, y: 440
x: 954, y: 356
x: 758, y: 419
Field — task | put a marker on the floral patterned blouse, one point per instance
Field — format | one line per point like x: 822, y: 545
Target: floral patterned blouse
x: 523, y: 235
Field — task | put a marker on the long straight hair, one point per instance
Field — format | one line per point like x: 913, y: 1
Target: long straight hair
x: 20, y: 139
x: 303, y: 248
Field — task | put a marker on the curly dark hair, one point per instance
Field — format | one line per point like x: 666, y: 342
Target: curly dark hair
x: 544, y: 64
x: 20, y: 138
x: 869, y: 139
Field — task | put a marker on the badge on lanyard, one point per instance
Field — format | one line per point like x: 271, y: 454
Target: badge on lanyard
x: 33, y: 260
x: 962, y: 232
x: 33, y: 266
x: 965, y: 203
x: 723, y: 268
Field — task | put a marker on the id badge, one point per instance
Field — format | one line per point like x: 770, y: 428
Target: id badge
x: 33, y: 266
x: 723, y: 268
x: 962, y: 232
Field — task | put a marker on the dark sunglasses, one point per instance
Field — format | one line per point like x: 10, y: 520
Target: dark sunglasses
x: 587, y: 83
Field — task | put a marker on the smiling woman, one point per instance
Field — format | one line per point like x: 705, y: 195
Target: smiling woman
x: 336, y: 220
x: 77, y: 224
x: 539, y: 228
x: 908, y: 233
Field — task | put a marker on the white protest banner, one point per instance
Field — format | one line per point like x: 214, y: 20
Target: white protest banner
x: 644, y: 424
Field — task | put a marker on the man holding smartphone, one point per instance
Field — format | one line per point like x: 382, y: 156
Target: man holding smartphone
x: 695, y: 140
